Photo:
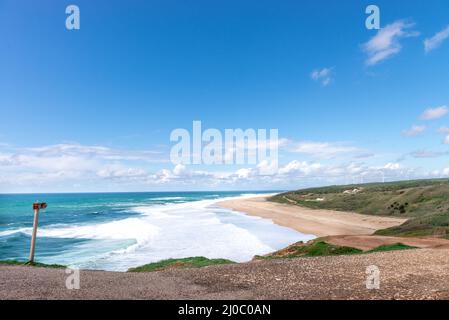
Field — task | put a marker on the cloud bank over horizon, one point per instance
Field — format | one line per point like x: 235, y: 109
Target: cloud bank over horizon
x: 72, y: 167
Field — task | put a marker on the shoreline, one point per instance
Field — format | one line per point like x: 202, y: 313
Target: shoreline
x: 316, y: 222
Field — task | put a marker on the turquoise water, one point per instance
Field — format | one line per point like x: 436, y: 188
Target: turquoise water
x: 116, y: 231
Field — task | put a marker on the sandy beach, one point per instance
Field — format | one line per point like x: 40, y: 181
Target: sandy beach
x: 310, y: 221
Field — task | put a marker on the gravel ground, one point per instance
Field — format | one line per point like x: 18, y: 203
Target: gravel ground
x: 409, y: 274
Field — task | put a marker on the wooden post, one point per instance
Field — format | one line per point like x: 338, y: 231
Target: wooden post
x: 36, y: 207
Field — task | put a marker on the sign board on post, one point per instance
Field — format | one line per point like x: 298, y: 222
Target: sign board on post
x: 36, y: 207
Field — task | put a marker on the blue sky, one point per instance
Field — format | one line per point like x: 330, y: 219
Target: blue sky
x: 92, y: 109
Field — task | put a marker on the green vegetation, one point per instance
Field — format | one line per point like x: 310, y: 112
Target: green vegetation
x: 424, y: 202
x: 321, y: 248
x: 192, y: 262
x: 30, y: 264
x: 315, y: 249
x: 391, y: 247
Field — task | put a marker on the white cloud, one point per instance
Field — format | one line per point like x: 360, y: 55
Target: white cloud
x: 251, y: 147
x: 351, y: 172
x: 436, y: 40
x: 39, y: 168
x: 120, y: 172
x: 392, y: 166
x: 443, y: 130
x: 267, y: 167
x: 422, y: 154
x: 30, y: 179
x: 434, y: 113
x: 47, y: 163
x: 321, y: 149
x: 243, y: 173
x: 72, y: 164
x: 73, y: 157
x: 324, y: 76
x: 446, y: 140
x: 296, y: 166
x: 414, y: 131
x: 106, y: 153
x: 180, y: 170
x: 385, y: 43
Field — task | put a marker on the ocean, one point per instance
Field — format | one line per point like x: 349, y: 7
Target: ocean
x: 117, y: 231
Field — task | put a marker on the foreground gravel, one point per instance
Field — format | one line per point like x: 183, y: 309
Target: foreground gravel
x: 409, y: 274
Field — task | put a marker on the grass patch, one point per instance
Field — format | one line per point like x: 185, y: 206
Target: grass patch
x: 425, y: 203
x: 321, y: 248
x: 192, y: 262
x: 391, y: 247
x: 316, y: 249
x: 30, y: 264
x: 431, y: 224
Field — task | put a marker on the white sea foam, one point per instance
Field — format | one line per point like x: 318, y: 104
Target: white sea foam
x: 14, y: 231
x: 131, y: 228
x: 201, y: 229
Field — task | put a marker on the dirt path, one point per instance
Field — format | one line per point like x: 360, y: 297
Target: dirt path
x: 408, y: 274
x: 310, y: 221
x: 371, y: 242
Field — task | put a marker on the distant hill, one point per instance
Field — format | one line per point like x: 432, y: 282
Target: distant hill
x: 424, y: 202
